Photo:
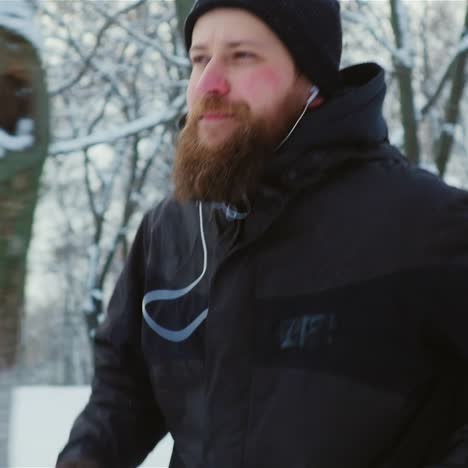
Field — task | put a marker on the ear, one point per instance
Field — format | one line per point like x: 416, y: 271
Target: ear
x: 317, y: 102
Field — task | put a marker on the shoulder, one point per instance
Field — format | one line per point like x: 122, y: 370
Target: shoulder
x: 381, y: 198
x: 388, y: 178
x: 420, y: 204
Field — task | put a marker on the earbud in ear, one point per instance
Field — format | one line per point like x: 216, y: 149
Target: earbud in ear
x: 314, y: 92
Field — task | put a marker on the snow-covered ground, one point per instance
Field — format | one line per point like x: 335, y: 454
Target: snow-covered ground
x: 40, y: 423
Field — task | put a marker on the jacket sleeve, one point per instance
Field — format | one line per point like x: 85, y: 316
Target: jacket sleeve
x: 121, y: 423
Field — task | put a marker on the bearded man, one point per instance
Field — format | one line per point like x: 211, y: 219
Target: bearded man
x: 300, y: 300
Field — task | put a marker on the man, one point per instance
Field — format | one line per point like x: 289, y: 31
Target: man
x: 301, y: 300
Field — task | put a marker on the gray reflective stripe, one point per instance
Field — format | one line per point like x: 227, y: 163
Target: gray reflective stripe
x: 175, y: 335
x: 233, y: 214
x: 172, y: 294
x: 167, y: 294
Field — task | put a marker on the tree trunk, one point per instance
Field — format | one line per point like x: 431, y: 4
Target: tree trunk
x: 6, y: 389
x: 19, y: 184
x: 452, y: 112
x: 404, y: 75
x: 18, y: 197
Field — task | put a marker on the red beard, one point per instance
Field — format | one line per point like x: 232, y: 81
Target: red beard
x: 231, y: 170
x: 226, y: 172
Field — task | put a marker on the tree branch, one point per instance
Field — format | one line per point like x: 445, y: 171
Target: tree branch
x: 138, y: 125
x: 175, y: 60
x: 99, y: 36
x: 460, y: 54
x: 405, y: 82
x: 452, y: 112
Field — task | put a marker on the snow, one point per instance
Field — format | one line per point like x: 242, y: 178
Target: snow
x: 97, y: 294
x: 41, y: 419
x: 449, y: 129
x: 405, y: 53
x: 402, y: 56
x: 21, y: 140
x: 122, y: 131
x: 18, y: 16
x: 175, y: 60
x: 94, y: 256
x: 14, y: 142
x: 429, y: 166
x: 24, y: 126
x: 463, y: 46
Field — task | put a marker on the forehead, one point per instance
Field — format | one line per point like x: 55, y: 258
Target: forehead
x: 231, y: 25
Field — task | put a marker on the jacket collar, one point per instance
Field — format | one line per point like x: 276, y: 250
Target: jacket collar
x: 351, y: 119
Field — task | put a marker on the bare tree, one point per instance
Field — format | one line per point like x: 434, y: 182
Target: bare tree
x: 457, y: 74
x: 428, y: 69
x: 403, y: 63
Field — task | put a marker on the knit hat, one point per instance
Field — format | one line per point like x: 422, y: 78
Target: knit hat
x: 310, y: 29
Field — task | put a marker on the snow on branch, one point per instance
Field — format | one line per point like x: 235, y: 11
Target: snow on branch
x: 87, y: 61
x: 449, y: 129
x: 463, y: 46
x: 461, y: 50
x: 174, y: 59
x: 403, y: 58
x: 138, y: 125
x: 403, y: 21
x: 401, y: 29
x: 22, y: 140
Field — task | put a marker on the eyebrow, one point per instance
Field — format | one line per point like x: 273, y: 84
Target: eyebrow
x: 230, y: 45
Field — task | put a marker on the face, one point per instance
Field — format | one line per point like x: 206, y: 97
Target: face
x: 236, y: 57
x: 244, y: 95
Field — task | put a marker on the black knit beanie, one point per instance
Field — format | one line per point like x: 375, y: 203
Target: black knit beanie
x: 310, y: 29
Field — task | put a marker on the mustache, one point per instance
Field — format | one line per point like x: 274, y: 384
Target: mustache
x: 219, y: 105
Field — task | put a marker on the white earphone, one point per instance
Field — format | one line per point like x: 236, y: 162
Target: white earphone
x: 314, y: 92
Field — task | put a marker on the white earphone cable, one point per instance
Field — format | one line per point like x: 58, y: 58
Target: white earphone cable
x: 314, y: 92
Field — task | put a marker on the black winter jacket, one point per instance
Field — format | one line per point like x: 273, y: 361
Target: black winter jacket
x: 326, y: 327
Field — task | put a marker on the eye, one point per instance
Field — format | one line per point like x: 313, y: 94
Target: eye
x: 244, y: 55
x: 200, y: 59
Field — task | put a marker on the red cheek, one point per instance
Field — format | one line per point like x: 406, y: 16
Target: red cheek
x: 262, y: 80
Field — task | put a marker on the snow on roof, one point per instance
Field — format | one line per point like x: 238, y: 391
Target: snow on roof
x: 18, y: 16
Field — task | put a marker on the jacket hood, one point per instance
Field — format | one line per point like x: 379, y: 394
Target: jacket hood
x: 353, y: 116
x: 351, y: 119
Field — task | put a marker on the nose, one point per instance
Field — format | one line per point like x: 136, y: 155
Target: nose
x: 213, y: 80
